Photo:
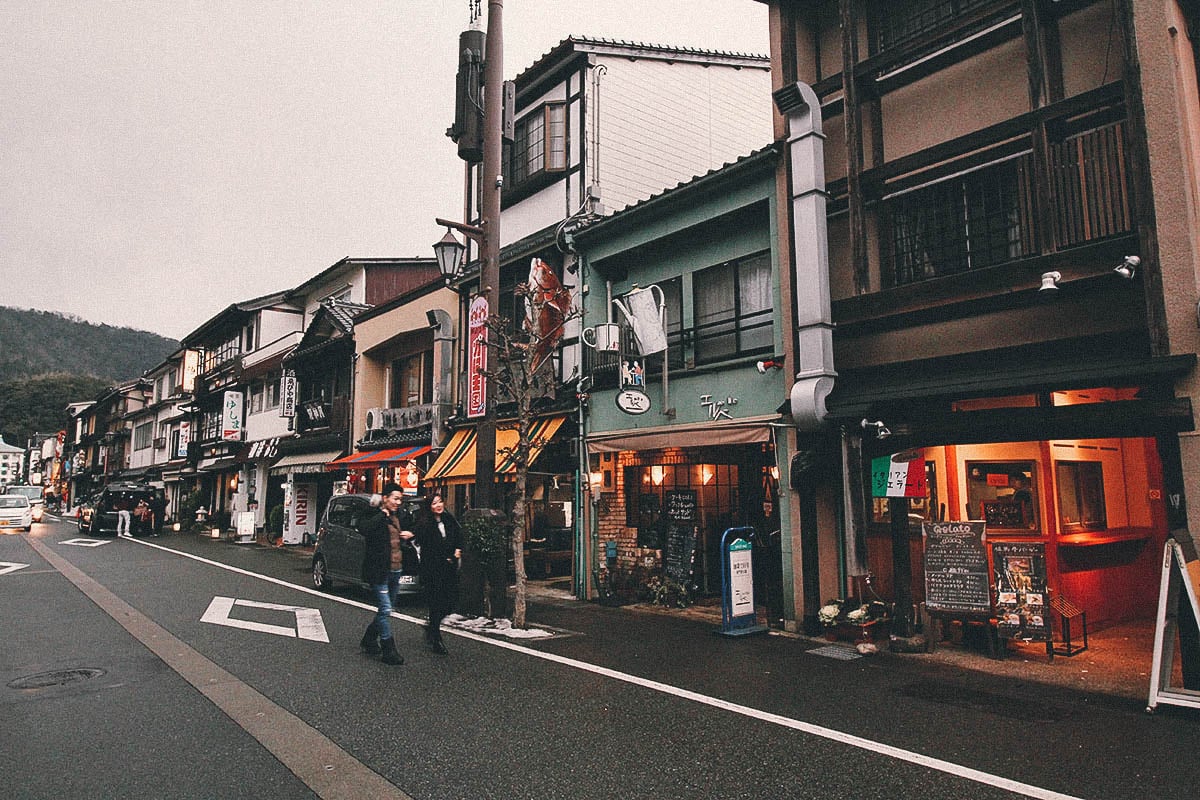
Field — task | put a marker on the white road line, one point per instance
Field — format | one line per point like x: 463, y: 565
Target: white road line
x: 900, y: 754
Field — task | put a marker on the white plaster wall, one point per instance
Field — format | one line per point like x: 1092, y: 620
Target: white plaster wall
x: 663, y: 123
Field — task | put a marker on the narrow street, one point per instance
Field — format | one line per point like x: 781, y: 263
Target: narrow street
x: 217, y: 637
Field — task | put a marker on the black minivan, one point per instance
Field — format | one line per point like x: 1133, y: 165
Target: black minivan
x: 339, y: 552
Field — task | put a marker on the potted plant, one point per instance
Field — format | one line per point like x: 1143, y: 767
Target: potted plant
x: 828, y: 616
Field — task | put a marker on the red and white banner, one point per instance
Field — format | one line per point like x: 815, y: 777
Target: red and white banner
x: 477, y: 358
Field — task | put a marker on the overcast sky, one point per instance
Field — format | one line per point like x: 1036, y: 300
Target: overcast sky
x: 161, y: 160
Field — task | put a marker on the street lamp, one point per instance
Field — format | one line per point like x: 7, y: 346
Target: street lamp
x: 449, y: 252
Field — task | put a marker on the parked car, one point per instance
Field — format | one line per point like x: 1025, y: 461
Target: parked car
x: 37, y: 498
x: 98, y: 514
x: 16, y: 511
x: 339, y: 552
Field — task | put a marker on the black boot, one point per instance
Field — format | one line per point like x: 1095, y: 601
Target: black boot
x: 390, y: 656
x: 370, y: 640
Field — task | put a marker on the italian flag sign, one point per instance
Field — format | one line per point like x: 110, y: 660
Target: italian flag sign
x: 899, y: 475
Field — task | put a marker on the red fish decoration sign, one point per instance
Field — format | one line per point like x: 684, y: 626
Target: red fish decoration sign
x: 547, y: 307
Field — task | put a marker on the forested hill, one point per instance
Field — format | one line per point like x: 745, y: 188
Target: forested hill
x: 43, y: 342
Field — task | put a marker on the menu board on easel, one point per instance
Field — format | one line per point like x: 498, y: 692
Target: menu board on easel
x: 956, y: 568
x: 679, y: 556
x: 1021, y: 602
x: 1177, y: 572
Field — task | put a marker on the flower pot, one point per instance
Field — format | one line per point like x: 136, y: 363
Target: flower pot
x: 831, y: 634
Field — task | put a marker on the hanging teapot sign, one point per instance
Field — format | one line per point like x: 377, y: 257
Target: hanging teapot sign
x: 644, y: 312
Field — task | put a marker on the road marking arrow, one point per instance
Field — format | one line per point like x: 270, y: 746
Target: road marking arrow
x: 10, y: 566
x: 308, y: 620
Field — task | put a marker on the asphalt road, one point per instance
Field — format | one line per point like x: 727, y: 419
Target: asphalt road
x: 200, y: 697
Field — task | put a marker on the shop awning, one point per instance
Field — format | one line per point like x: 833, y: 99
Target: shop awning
x: 710, y: 434
x: 302, y: 463
x: 378, y: 458
x: 217, y: 464
x: 457, y: 461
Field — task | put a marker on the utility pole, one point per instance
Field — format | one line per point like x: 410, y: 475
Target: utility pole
x: 489, y: 270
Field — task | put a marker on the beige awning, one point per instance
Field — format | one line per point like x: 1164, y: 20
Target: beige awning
x: 301, y: 463
x: 707, y: 434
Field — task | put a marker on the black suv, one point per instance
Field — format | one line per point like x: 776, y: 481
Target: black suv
x: 98, y: 514
x: 340, y: 547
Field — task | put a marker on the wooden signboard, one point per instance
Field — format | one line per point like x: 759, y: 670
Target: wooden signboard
x: 1022, y: 605
x: 1177, y: 571
x: 956, y: 568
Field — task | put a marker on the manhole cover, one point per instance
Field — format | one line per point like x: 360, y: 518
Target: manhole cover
x: 55, y: 678
x: 834, y: 651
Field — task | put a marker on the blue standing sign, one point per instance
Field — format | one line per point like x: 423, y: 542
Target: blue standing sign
x: 738, y: 616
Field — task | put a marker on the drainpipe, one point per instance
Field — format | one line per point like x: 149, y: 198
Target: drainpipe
x: 813, y: 362
x: 443, y: 342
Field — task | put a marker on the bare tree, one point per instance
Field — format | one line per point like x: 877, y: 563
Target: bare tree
x: 521, y: 372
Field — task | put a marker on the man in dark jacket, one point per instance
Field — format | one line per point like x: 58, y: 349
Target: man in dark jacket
x: 377, y: 564
x: 441, y: 541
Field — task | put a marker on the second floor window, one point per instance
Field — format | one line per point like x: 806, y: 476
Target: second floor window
x: 968, y: 222
x: 732, y: 309
x: 219, y: 355
x: 539, y: 145
x: 411, y: 381
x: 143, y: 435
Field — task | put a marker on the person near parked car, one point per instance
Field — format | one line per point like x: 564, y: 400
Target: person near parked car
x: 158, y: 512
x: 124, y: 517
x: 141, y: 513
x: 440, y: 541
x: 377, y: 534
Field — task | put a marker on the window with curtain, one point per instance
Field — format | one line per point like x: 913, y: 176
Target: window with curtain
x: 412, y: 380
x: 732, y: 309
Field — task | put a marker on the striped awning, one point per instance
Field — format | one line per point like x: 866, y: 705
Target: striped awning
x: 378, y: 458
x: 457, y: 461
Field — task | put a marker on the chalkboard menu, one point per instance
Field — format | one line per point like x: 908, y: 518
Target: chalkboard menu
x: 680, y: 553
x: 1021, y: 602
x: 956, y: 568
x: 680, y: 505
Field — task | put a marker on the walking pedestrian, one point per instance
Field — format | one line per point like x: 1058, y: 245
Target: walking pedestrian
x: 124, y: 517
x: 440, y: 541
x: 376, y: 571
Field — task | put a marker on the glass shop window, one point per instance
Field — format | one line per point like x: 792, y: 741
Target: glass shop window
x: 1080, y: 496
x: 1004, y: 494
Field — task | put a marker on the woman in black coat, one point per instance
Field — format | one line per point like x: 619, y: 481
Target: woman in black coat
x: 440, y: 539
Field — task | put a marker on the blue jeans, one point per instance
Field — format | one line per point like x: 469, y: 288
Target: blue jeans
x: 383, y: 597
x: 394, y: 585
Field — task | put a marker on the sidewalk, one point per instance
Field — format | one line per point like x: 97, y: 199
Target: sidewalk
x: 1116, y: 663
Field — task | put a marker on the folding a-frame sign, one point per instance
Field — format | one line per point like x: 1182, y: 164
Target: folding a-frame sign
x: 1187, y: 573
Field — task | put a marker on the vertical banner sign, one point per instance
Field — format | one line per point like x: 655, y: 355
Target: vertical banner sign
x: 287, y: 394
x: 477, y: 358
x: 231, y: 417
x: 185, y: 438
x: 302, y: 521
x: 900, y: 475
x: 741, y: 578
x: 1021, y: 604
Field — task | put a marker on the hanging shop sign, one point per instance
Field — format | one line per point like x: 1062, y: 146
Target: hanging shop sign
x: 185, y: 438
x: 231, y: 417
x: 632, y: 398
x: 899, y: 475
x: 477, y: 358
x: 1021, y: 605
x: 287, y: 394
x: 956, y: 567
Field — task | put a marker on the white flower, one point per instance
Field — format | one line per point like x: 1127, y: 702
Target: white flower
x: 828, y: 614
x: 859, y: 615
